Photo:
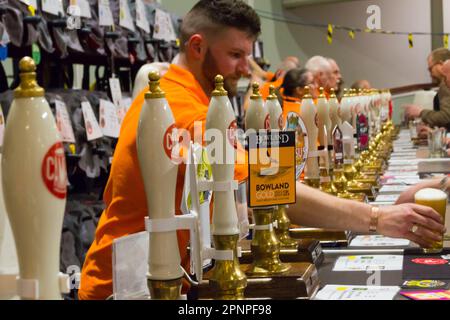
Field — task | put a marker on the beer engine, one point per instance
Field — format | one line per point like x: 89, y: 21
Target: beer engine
x: 157, y: 153
x: 308, y: 112
x: 334, y: 106
x: 265, y: 246
x: 356, y: 183
x: 227, y: 279
x: 279, y: 215
x: 34, y: 185
x: 324, y: 127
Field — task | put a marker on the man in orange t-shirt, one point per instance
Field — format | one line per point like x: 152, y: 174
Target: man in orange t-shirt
x: 188, y: 86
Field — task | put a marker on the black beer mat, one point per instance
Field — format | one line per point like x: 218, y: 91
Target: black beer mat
x: 420, y: 266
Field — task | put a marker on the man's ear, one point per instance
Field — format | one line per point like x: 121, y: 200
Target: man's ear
x: 196, y: 46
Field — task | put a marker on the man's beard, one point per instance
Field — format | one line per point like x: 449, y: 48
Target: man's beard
x: 210, y: 70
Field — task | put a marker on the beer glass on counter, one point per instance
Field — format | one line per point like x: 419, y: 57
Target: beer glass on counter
x: 436, y: 199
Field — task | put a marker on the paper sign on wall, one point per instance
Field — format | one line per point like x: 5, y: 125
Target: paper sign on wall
x: 116, y: 91
x: 54, y: 7
x: 257, y: 54
x: 85, y: 8
x: 93, y: 130
x: 141, y: 16
x: 163, y: 29
x: 105, y: 16
x: 109, y: 121
x: 63, y: 122
x: 32, y: 3
x: 125, y: 18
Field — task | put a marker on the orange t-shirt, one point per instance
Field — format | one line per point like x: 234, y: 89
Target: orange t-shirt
x: 266, y: 86
x: 290, y: 104
x: 269, y: 76
x: 124, y: 196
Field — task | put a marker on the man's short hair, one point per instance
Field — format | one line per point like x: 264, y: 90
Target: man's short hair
x: 318, y: 64
x: 440, y: 55
x: 209, y: 16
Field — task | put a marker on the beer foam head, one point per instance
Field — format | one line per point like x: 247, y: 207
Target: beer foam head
x: 430, y: 194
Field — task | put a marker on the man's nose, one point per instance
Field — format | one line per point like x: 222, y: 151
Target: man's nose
x: 243, y: 67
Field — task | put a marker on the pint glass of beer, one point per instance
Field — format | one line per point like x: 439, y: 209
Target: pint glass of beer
x: 436, y: 199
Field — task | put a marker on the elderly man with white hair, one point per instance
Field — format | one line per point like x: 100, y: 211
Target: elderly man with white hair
x: 322, y: 72
x: 336, y: 82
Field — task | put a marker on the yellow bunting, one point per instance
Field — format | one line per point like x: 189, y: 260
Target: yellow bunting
x: 72, y: 148
x: 446, y: 41
x: 410, y: 41
x: 32, y: 10
x: 351, y: 34
x: 178, y: 42
x: 330, y: 34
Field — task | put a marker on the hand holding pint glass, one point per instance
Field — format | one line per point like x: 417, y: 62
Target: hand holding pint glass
x: 436, y: 199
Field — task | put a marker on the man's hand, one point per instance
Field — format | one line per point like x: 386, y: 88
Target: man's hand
x: 398, y: 222
x: 412, y: 111
x: 423, y: 131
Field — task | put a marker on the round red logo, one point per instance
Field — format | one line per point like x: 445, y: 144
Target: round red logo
x: 171, y: 142
x: 54, y: 172
x: 231, y: 134
x: 267, y: 122
x: 430, y: 261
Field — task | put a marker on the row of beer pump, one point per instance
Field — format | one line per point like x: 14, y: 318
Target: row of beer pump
x: 330, y: 167
x: 329, y: 126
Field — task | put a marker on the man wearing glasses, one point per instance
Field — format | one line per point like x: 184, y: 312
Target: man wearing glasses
x: 440, y: 116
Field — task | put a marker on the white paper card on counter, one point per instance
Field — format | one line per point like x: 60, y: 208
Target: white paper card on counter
x: 402, y: 181
x: 163, y: 29
x: 403, y: 174
x: 392, y: 189
x: 403, y: 168
x: 93, y: 130
x: 369, y: 263
x: 54, y: 7
x: 403, y: 157
x: 105, y: 16
x: 116, y: 91
x: 63, y: 122
x: 85, y: 8
x: 378, y: 241
x: 129, y: 267
x: 403, y: 162
x: 109, y: 121
x: 404, y: 152
x: 387, y: 197
x: 125, y: 18
x: 141, y: 16
x: 344, y: 292
x: 404, y: 149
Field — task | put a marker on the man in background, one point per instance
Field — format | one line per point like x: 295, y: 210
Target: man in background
x: 440, y: 115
